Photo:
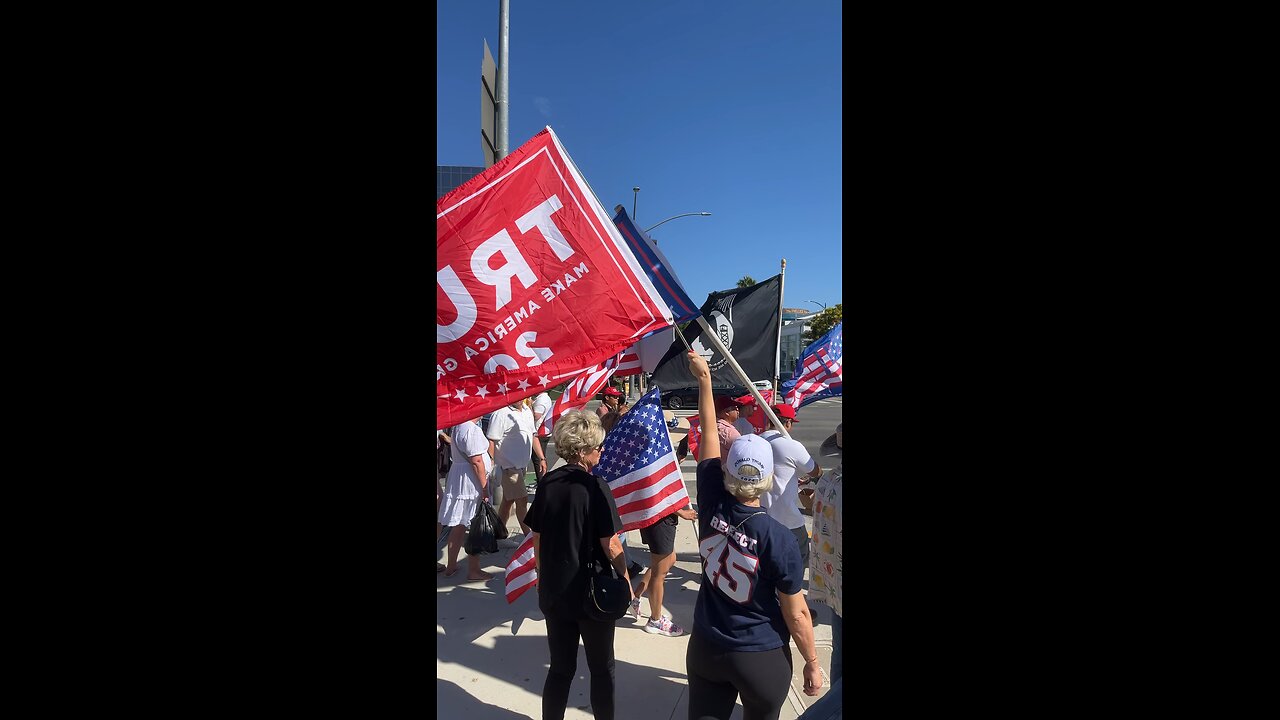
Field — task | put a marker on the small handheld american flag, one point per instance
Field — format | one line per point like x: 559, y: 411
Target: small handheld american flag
x: 640, y: 465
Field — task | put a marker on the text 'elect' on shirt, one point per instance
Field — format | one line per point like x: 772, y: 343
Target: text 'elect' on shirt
x: 747, y: 558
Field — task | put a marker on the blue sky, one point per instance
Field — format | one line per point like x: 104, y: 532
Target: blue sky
x: 728, y: 107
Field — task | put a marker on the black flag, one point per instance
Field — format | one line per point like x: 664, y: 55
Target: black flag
x: 747, y: 321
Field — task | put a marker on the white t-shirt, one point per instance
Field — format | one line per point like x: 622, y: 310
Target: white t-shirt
x: 468, y: 442
x: 512, y: 430
x: 789, y: 458
x: 541, y: 406
x: 744, y: 426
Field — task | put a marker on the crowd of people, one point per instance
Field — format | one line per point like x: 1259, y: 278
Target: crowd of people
x: 753, y: 543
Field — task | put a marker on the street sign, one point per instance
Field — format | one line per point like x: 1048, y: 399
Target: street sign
x: 488, y: 106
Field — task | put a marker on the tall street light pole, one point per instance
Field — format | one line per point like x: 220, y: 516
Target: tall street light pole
x: 635, y: 193
x: 673, y: 217
x: 815, y: 302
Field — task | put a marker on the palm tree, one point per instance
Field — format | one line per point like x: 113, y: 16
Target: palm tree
x: 746, y: 281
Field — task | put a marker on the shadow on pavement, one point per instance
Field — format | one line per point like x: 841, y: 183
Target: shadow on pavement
x: 459, y: 703
x: 522, y: 661
x: 468, y: 610
x: 680, y: 593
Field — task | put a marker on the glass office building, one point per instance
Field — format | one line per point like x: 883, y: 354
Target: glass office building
x: 449, y: 177
x: 791, y: 341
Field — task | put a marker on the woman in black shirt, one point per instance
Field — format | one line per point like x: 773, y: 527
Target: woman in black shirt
x: 572, y: 511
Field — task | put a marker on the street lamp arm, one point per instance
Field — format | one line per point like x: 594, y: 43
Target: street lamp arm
x: 704, y: 214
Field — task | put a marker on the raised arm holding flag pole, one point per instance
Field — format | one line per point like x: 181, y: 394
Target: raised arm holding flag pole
x: 744, y: 321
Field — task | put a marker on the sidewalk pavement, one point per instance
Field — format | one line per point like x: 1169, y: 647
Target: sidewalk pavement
x: 491, y: 657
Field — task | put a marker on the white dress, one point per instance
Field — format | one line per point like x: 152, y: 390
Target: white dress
x: 462, y: 487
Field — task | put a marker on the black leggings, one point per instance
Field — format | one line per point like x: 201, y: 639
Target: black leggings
x: 562, y: 638
x: 717, y: 677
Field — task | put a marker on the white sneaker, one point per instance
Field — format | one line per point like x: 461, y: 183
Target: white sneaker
x: 634, y: 610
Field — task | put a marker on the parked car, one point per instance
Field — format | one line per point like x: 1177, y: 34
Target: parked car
x: 686, y: 398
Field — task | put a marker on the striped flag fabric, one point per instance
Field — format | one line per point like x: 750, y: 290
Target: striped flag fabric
x: 640, y: 465
x: 629, y: 363
x: 521, y: 571
x: 582, y: 388
x: 656, y: 266
x: 524, y: 254
x: 819, y: 371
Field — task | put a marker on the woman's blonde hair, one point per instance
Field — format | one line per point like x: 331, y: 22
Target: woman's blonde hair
x: 577, y: 433
x: 745, y: 490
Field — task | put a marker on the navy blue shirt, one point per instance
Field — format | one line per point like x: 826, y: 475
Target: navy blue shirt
x: 747, y: 558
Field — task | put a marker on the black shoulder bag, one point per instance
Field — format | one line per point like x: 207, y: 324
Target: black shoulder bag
x: 608, y: 594
x: 444, y: 459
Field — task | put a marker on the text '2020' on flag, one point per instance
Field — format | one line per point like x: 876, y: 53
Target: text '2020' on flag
x: 746, y: 320
x: 534, y: 283
x: 819, y: 371
x: 640, y: 466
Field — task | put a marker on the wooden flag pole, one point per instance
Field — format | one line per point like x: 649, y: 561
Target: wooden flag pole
x: 714, y: 338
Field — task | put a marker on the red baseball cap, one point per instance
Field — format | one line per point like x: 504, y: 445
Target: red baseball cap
x: 612, y: 391
x: 724, y: 402
x: 747, y: 399
x: 785, y: 412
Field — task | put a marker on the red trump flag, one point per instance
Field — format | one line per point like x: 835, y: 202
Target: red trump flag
x: 533, y: 283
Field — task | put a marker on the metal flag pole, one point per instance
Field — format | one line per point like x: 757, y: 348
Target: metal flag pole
x: 680, y: 335
x: 777, y: 353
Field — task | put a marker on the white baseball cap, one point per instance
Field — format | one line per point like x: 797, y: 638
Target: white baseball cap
x: 750, y: 459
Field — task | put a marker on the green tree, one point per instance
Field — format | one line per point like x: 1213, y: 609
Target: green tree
x: 746, y: 281
x: 823, y: 323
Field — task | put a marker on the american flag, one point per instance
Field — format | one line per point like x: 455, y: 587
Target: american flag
x: 819, y: 372
x: 584, y: 386
x: 640, y: 465
x: 628, y: 363
x: 521, y: 572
